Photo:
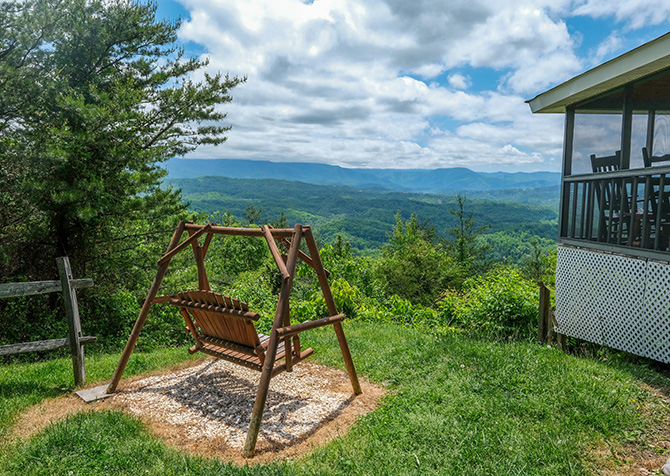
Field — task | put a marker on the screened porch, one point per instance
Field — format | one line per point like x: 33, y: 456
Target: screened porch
x: 613, y: 259
x: 616, y: 189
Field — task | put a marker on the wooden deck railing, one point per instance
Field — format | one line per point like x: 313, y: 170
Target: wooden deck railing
x: 627, y: 210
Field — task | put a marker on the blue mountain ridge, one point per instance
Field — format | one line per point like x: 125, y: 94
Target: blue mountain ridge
x: 410, y: 180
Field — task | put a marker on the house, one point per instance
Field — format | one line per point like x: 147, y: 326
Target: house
x: 613, y: 268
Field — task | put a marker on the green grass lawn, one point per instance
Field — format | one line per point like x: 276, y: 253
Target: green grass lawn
x: 457, y: 406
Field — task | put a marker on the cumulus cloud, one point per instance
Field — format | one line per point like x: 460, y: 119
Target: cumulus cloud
x: 459, y: 81
x: 611, y: 44
x: 633, y: 13
x: 380, y: 83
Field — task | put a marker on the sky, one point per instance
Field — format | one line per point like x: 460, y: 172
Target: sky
x: 420, y: 84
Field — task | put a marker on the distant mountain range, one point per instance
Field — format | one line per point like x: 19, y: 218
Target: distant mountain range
x: 457, y: 179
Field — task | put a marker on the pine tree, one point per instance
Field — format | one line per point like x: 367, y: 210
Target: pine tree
x: 94, y: 96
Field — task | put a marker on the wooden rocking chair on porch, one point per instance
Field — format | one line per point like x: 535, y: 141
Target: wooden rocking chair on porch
x: 224, y: 327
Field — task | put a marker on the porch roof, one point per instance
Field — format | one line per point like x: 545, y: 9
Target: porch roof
x: 642, y: 61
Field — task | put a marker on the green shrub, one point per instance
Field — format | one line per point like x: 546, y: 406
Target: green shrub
x: 501, y: 304
x: 29, y: 318
x: 110, y: 316
x: 359, y: 271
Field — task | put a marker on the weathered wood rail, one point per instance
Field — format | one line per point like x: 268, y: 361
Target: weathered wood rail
x: 67, y: 285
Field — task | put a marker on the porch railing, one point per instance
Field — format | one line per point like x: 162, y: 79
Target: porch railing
x: 625, y: 210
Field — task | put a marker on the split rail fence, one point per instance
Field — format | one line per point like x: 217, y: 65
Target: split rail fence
x: 67, y: 285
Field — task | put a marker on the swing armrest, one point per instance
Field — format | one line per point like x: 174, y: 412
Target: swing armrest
x: 303, y: 326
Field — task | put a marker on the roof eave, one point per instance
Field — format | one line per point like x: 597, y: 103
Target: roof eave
x: 647, y: 59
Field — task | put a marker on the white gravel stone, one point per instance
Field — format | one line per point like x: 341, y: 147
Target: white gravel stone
x: 216, y: 398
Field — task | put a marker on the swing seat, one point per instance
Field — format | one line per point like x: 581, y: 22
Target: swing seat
x: 224, y: 328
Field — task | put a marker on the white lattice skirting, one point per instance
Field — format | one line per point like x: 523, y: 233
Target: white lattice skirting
x: 618, y: 301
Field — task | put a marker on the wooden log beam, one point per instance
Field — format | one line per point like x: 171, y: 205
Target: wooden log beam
x: 303, y: 326
x: 42, y: 345
x: 177, y: 249
x: 199, y: 254
x: 162, y: 299
x: 225, y: 230
x: 203, y: 280
x: 9, y: 290
x: 190, y: 326
x: 332, y: 309
x: 302, y: 255
x: 303, y: 355
x: 267, y: 232
x: 266, y: 375
x: 208, y: 240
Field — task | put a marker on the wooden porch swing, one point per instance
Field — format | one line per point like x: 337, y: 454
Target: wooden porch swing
x: 224, y: 327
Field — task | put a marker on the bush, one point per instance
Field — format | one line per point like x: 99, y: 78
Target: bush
x: 110, y: 316
x: 501, y: 304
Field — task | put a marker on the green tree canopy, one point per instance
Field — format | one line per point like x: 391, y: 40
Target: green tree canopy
x: 413, y: 266
x: 94, y: 95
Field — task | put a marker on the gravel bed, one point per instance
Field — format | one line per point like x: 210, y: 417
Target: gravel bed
x: 214, y: 400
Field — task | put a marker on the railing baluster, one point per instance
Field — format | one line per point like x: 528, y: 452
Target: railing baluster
x: 602, y: 229
x: 620, y: 200
x: 573, y: 218
x: 582, y: 213
x: 589, y: 211
x: 633, y: 212
x: 659, y: 210
x: 648, y: 190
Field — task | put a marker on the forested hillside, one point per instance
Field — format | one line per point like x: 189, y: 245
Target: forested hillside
x: 364, y: 217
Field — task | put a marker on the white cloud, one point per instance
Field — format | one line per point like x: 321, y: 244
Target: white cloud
x: 603, y: 52
x: 458, y: 81
x: 380, y: 83
x: 633, y: 13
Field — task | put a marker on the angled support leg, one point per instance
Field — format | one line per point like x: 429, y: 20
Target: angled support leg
x: 332, y: 309
x: 266, y: 375
x: 261, y: 396
x: 144, y: 312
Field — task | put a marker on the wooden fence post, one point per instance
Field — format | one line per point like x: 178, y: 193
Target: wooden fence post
x: 545, y: 324
x: 73, y: 322
x: 562, y: 341
x: 547, y: 320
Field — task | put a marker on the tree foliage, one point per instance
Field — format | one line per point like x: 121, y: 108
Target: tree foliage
x: 363, y: 217
x: 465, y: 247
x: 94, y: 95
x: 413, y: 266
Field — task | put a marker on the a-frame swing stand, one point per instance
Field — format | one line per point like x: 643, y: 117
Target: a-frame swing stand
x: 224, y: 328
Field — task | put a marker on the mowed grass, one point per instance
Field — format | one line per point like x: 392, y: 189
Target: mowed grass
x: 456, y: 406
